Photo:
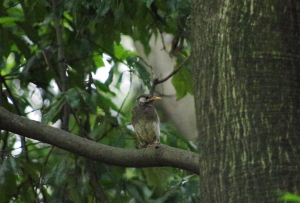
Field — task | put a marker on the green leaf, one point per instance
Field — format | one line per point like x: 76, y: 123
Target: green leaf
x: 118, y: 50
x: 122, y: 53
x: 148, y: 2
x: 142, y: 71
x: 98, y: 130
x: 103, y: 7
x: 8, y: 178
x: 84, y: 48
x: 119, y: 13
x: 33, y: 170
x: 30, y: 31
x: 166, y: 196
x: 134, y: 192
x: 79, y: 99
x: 104, y: 102
x: 10, y: 20
x: 98, y: 60
x: 89, y: 29
x: 290, y: 197
x: 5, y: 44
x: 53, y: 111
x: 157, y: 175
x: 109, y: 80
x: 184, y: 188
x: 103, y: 87
x: 22, y: 46
x: 172, y: 137
x: 16, y: 12
x: 119, y: 80
x: 56, y: 175
x: 183, y: 83
x: 190, y: 188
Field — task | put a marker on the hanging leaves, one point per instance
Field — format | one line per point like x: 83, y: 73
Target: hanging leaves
x: 30, y: 63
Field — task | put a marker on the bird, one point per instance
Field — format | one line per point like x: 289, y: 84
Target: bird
x: 145, y: 121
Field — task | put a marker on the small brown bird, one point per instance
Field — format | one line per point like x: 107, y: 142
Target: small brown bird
x: 145, y: 121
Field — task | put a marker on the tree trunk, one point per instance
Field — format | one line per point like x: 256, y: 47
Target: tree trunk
x: 246, y: 71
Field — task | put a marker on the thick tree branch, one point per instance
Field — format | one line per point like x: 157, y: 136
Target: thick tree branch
x: 161, y: 155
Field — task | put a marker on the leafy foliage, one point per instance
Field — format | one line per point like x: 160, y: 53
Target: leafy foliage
x: 32, y: 84
x: 289, y: 197
x: 182, y: 83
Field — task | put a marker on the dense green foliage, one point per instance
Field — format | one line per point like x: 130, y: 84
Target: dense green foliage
x: 31, y: 64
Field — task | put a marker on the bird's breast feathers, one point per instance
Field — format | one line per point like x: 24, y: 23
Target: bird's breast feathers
x: 145, y: 122
x: 147, y: 131
x: 147, y: 112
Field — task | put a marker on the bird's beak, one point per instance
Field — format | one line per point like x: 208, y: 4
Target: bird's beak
x: 153, y: 99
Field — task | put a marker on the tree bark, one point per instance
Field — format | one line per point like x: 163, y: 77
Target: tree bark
x: 246, y: 72
x: 156, y: 156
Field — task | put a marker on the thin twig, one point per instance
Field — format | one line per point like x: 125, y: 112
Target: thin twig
x: 23, y: 140
x: 162, y: 40
x: 61, y: 65
x: 5, y: 138
x: 94, y: 180
x: 11, y: 149
x: 40, y: 186
x: 99, y: 192
x: 125, y: 97
x: 53, y: 72
x: 85, y: 133
x: 1, y: 91
x: 11, y: 96
x: 157, y: 81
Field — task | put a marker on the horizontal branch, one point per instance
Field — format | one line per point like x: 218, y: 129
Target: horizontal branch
x: 159, y: 156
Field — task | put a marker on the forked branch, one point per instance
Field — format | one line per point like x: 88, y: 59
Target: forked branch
x: 156, y: 81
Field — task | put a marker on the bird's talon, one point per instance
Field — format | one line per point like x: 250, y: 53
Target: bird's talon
x: 156, y: 142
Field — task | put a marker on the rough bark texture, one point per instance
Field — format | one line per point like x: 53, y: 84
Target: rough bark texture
x: 246, y: 68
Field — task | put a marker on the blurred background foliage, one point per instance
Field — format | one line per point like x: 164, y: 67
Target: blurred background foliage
x: 100, y: 103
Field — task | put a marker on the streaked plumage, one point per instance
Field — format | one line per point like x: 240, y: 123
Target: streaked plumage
x: 145, y: 121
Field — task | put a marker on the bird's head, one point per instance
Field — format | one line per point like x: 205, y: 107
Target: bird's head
x: 146, y: 99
